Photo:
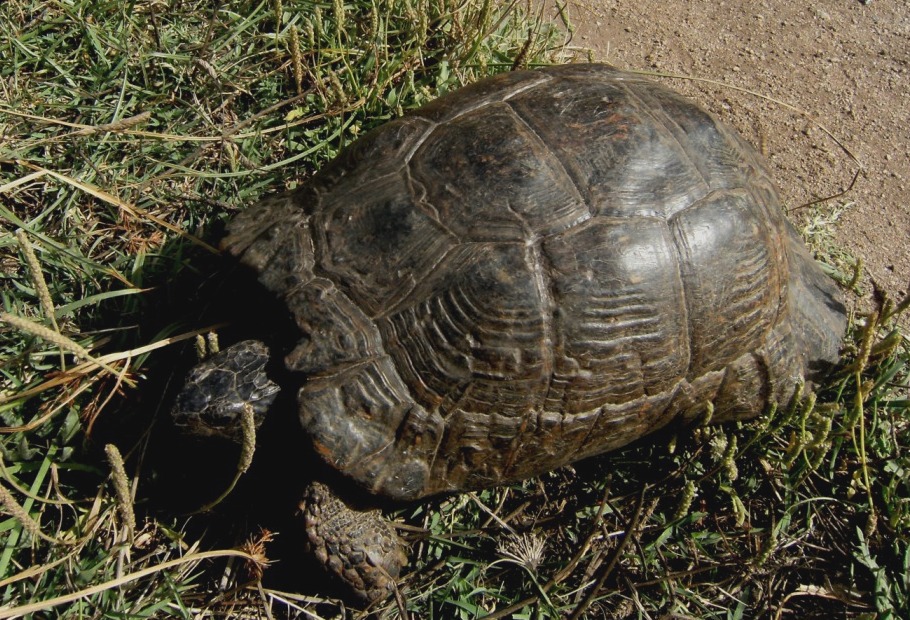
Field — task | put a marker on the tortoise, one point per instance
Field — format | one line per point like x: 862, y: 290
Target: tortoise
x: 540, y: 267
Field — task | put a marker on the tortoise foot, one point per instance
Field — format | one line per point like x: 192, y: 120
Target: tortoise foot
x: 358, y: 547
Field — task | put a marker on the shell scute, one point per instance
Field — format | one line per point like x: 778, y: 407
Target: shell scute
x: 534, y: 269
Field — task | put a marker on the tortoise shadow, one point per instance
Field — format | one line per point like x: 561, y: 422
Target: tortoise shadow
x: 188, y: 287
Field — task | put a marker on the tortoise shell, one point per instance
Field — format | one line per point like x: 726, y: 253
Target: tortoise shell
x: 540, y: 267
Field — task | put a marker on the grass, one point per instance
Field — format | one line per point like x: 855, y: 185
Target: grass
x: 130, y: 132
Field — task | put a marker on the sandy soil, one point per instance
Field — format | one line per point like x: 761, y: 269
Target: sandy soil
x: 843, y: 63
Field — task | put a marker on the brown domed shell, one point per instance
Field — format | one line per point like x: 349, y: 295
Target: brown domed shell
x: 540, y: 267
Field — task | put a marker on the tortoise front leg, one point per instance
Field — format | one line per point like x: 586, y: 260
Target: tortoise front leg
x: 358, y: 547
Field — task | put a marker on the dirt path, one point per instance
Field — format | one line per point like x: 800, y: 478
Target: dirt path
x: 845, y: 63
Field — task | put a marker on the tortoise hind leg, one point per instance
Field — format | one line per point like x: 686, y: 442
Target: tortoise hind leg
x: 358, y: 547
x: 819, y: 315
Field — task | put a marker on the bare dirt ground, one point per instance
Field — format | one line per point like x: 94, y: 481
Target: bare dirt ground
x: 843, y: 63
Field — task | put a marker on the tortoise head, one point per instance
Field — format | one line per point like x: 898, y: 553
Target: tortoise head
x: 219, y: 388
